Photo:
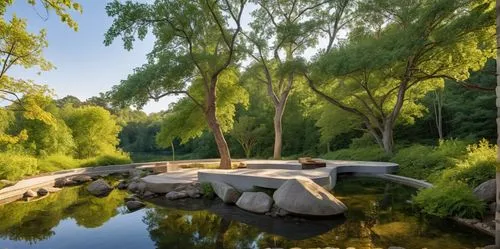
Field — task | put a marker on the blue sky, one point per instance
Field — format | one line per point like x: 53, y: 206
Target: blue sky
x: 84, y: 66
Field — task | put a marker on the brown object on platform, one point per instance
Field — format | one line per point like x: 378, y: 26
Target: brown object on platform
x: 160, y: 167
x: 309, y: 163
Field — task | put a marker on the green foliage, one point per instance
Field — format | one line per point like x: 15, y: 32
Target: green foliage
x: 207, y: 190
x: 94, y: 130
x: 476, y: 167
x: 452, y: 199
x: 107, y: 159
x: 15, y: 166
x: 419, y: 161
x: 247, y: 132
x: 368, y: 153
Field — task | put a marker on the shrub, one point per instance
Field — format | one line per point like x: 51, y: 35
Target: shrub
x: 107, y: 159
x: 207, y: 190
x: 421, y: 162
x: 369, y: 153
x: 477, y: 166
x: 57, y: 162
x: 450, y: 199
x: 15, y: 166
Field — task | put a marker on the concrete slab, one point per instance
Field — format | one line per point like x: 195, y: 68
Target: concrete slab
x: 273, y: 173
x: 166, y: 182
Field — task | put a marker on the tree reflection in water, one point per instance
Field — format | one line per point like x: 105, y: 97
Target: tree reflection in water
x: 378, y: 216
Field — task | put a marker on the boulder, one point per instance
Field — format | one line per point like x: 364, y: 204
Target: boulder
x: 224, y: 191
x: 81, y: 179
x: 486, y: 190
x: 193, y: 192
x: 257, y: 202
x: 148, y: 194
x: 303, y: 196
x: 42, y: 192
x: 30, y: 194
x: 99, y: 188
x: 163, y: 184
x: 134, y: 205
x: 122, y: 185
x: 174, y: 195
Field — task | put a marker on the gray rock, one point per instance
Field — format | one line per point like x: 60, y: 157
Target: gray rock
x: 42, y: 192
x: 81, y: 179
x: 174, y: 195
x: 134, y: 205
x: 224, y: 191
x: 148, y: 194
x: 303, y: 196
x: 193, y: 192
x: 30, y: 193
x: 122, y: 185
x: 163, y: 184
x: 257, y: 202
x: 486, y: 190
x: 99, y: 188
x: 132, y: 187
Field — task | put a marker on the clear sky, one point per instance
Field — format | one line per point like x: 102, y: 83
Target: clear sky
x: 84, y: 66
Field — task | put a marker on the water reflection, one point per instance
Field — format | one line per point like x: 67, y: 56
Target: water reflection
x: 378, y: 217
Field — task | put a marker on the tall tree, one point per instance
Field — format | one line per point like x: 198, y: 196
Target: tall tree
x: 453, y: 38
x: 281, y: 32
x: 202, y: 34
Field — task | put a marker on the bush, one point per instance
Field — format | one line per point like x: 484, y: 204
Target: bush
x: 107, y: 159
x: 450, y: 199
x: 15, y: 166
x: 207, y: 190
x: 369, y: 153
x: 477, y: 166
x: 57, y: 162
x: 421, y: 162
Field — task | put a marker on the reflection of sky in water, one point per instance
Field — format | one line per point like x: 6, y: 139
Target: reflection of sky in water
x: 127, y: 230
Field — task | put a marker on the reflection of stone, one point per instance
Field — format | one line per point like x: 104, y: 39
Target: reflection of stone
x: 81, y: 178
x: 290, y: 228
x: 224, y: 191
x: 134, y: 205
x: 302, y: 196
x: 257, y: 202
x: 30, y: 194
x: 122, y: 185
x: 42, y: 192
x: 99, y: 188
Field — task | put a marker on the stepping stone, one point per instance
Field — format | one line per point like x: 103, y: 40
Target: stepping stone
x: 163, y: 183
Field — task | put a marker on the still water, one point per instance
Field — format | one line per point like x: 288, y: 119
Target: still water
x: 379, y: 216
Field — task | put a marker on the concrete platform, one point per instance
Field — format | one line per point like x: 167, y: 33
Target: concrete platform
x: 273, y: 173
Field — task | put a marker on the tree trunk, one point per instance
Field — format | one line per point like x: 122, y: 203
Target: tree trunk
x: 213, y: 124
x: 438, y: 108
x: 497, y: 212
x: 278, y: 130
x: 173, y: 150
x: 388, y: 138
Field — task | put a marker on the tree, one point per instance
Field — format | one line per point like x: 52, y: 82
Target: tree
x: 247, y: 132
x: 199, y: 34
x: 288, y: 28
x: 18, y: 47
x: 375, y: 86
x: 94, y: 130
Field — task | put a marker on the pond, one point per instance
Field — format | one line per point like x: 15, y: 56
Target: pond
x: 379, y: 216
